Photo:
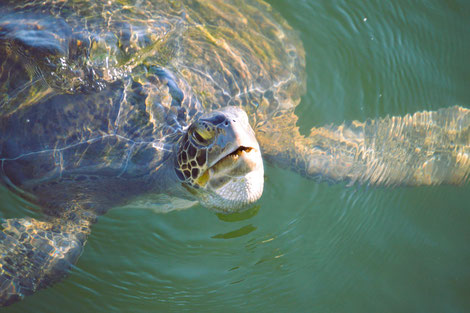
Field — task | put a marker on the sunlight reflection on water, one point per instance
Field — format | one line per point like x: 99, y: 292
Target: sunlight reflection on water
x: 307, y: 246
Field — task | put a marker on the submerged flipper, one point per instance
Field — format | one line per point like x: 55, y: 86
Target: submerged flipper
x: 35, y: 254
x: 426, y: 148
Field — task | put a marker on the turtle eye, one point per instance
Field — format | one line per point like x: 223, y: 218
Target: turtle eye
x: 203, y: 134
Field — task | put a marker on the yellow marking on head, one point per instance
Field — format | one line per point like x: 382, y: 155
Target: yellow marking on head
x: 203, y: 179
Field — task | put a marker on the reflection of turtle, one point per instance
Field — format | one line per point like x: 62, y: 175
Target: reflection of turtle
x: 107, y: 104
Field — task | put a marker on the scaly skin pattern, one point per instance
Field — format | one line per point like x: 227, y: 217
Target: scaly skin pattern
x: 425, y: 148
x: 35, y: 254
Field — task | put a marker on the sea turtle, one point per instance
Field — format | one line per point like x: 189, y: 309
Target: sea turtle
x: 165, y: 104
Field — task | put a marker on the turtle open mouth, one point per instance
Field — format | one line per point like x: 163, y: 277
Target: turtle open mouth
x: 231, y: 158
x: 239, y: 151
x: 238, y: 162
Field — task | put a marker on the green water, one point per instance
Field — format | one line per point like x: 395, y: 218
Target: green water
x: 307, y: 246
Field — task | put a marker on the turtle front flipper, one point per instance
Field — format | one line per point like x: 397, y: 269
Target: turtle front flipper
x: 35, y: 254
x: 426, y: 148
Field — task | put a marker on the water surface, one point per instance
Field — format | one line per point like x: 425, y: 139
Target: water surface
x: 307, y: 246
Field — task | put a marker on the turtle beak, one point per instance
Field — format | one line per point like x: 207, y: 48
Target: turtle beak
x: 235, y: 143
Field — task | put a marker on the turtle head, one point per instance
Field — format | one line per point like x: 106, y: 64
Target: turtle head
x: 219, y: 160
